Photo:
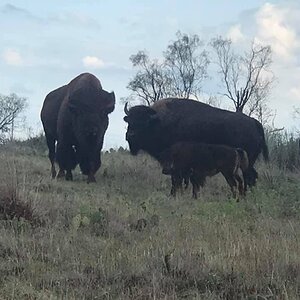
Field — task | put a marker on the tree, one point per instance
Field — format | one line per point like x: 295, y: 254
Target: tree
x: 186, y: 65
x: 10, y: 109
x: 247, y: 78
x: 179, y: 74
x: 150, y: 82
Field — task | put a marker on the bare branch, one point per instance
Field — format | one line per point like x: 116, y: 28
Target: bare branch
x: 246, y: 78
x: 180, y: 74
x: 10, y: 109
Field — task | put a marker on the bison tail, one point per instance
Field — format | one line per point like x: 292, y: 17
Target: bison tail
x: 243, y: 157
x: 265, y: 150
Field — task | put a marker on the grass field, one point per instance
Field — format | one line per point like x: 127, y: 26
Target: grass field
x: 125, y: 238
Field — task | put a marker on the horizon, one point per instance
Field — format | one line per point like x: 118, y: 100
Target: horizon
x: 46, y: 45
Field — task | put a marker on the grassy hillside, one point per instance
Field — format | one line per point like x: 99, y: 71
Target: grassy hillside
x: 125, y: 238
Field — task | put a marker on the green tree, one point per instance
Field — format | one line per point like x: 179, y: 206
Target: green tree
x: 180, y: 73
x: 186, y: 65
x: 150, y: 81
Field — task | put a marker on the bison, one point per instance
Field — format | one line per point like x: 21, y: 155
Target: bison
x: 198, y: 160
x: 155, y: 128
x: 76, y: 117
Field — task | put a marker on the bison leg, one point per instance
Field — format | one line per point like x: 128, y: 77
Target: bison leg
x: 173, y: 188
x: 94, y: 167
x: 241, y: 184
x: 196, y: 185
x: 69, y: 176
x: 232, y: 183
x: 176, y: 183
x: 250, y: 177
x: 51, y: 146
x: 196, y: 189
x: 186, y: 178
x: 91, y: 178
x: 66, y: 158
x: 186, y: 181
x: 61, y: 173
x: 197, y: 180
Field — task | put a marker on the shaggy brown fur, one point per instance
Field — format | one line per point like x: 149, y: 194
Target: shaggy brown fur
x: 76, y: 117
x: 168, y: 121
x: 198, y: 160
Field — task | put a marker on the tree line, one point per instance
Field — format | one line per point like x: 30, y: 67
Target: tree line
x: 246, y: 77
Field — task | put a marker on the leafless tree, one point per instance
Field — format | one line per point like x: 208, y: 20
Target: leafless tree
x: 296, y: 112
x: 186, y: 65
x: 10, y: 109
x: 150, y: 81
x: 180, y: 73
x: 247, y: 78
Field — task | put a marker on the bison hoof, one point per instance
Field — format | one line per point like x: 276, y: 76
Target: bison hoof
x: 91, y: 179
x: 69, y: 176
x: 173, y: 194
x: 61, y: 174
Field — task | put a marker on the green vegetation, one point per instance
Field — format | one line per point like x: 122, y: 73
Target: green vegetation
x: 125, y: 238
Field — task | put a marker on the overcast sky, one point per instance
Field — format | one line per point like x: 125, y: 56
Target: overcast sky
x: 44, y: 44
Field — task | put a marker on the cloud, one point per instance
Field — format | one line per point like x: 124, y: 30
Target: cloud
x: 9, y: 8
x: 20, y: 88
x: 295, y: 92
x: 93, y: 62
x: 65, y: 18
x: 12, y: 57
x: 12, y: 10
x: 275, y: 29
x: 235, y: 33
x: 77, y: 19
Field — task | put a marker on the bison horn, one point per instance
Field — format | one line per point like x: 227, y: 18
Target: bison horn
x: 126, y: 109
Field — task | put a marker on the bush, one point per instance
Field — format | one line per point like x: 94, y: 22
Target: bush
x: 284, y: 150
x: 12, y: 207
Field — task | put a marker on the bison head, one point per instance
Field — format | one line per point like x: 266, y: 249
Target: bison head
x: 89, y: 111
x: 142, y: 123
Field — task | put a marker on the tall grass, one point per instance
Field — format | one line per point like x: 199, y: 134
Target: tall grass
x: 284, y: 149
x: 125, y: 238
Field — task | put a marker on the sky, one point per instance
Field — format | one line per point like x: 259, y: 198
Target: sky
x: 45, y: 44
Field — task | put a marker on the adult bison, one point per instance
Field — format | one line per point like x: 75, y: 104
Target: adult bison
x: 155, y: 128
x: 76, y: 116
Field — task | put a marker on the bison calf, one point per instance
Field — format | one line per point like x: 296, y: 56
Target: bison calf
x: 196, y: 161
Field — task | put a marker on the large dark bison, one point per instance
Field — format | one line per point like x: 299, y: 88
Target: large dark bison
x: 76, y: 116
x: 198, y: 161
x: 155, y: 128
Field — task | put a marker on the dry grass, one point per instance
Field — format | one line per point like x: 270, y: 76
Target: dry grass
x: 125, y: 238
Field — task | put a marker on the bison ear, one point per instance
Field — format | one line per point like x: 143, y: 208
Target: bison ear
x: 125, y: 119
x: 110, y: 103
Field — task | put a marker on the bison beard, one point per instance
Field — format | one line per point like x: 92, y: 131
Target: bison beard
x: 76, y: 117
x: 154, y: 129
